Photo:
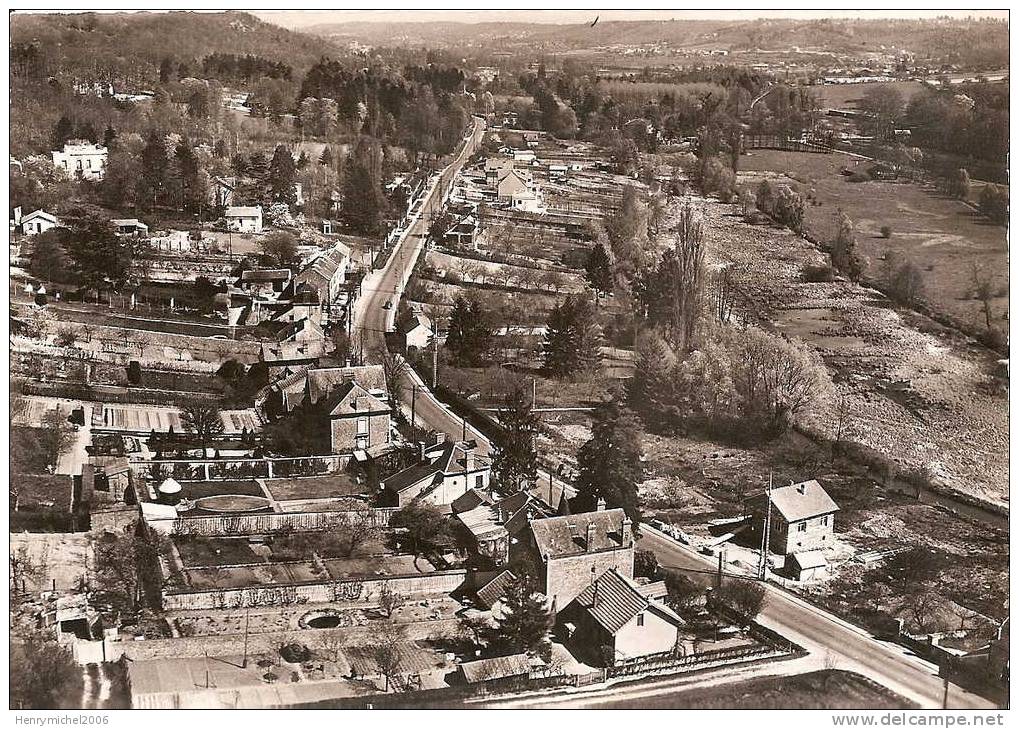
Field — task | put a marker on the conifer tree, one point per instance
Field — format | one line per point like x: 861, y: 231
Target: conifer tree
x: 598, y: 269
x: 524, y: 623
x: 515, y: 462
x: 609, y: 463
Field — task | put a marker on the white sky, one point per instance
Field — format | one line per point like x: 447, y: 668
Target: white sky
x: 298, y: 19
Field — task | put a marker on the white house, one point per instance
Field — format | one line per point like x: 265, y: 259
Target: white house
x: 38, y: 222
x: 528, y: 201
x: 527, y: 156
x: 420, y: 334
x: 82, y: 159
x: 244, y: 219
x: 446, y: 471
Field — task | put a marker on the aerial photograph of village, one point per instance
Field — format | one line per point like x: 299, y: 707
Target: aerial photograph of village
x: 509, y: 359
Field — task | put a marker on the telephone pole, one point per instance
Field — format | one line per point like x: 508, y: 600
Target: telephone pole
x: 435, y: 355
x: 762, y: 569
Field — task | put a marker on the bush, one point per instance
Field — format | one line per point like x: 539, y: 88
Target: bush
x: 859, y: 177
x: 886, y: 231
x: 817, y: 274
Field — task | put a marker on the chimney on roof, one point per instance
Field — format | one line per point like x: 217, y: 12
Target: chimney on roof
x: 440, y: 438
x: 802, y: 487
x: 591, y: 527
x: 626, y: 537
x: 600, y: 506
x: 421, y: 450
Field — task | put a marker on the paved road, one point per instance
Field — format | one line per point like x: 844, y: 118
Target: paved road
x: 838, y: 643
x: 823, y: 635
x: 372, y: 317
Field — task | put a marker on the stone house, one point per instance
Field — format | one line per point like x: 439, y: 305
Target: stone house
x: 571, y: 551
x: 614, y: 620
x: 802, y: 517
x: 358, y: 421
x: 446, y: 471
x: 82, y: 160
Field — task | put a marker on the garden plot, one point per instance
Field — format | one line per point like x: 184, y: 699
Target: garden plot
x: 465, y: 270
x: 146, y: 418
x: 925, y: 400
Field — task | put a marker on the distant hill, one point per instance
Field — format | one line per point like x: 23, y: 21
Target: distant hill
x: 946, y: 40
x: 128, y: 47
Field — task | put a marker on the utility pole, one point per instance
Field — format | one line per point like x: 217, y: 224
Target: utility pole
x: 435, y: 356
x: 721, y: 567
x: 762, y: 569
x: 413, y: 402
x: 247, y: 617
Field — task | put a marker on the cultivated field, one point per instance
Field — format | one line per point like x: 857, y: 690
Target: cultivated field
x: 944, y: 237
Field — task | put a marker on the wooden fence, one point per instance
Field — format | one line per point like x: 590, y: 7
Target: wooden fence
x: 787, y: 145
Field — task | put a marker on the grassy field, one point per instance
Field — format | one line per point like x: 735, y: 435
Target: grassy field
x: 943, y: 236
x: 847, y: 96
x: 829, y: 689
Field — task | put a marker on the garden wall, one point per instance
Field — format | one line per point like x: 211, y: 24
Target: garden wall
x: 246, y: 524
x: 365, y: 590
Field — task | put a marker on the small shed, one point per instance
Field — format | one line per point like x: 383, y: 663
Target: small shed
x: 806, y: 566
x: 517, y: 665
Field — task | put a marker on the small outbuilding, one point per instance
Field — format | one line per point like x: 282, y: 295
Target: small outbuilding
x: 806, y: 566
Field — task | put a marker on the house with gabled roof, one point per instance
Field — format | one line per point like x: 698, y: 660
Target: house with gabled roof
x: 37, y: 222
x: 571, y: 551
x: 513, y: 182
x: 419, y: 336
x: 802, y: 517
x: 444, y: 473
x: 358, y: 421
x: 497, y: 525
x: 613, y: 620
x: 326, y: 274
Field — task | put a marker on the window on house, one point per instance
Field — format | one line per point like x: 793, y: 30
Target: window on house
x: 801, y: 526
x: 640, y: 620
x: 362, y: 426
x: 479, y: 481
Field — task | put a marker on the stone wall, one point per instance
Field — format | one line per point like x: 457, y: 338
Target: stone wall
x: 244, y: 524
x: 565, y: 578
x: 344, y: 432
x: 353, y: 590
